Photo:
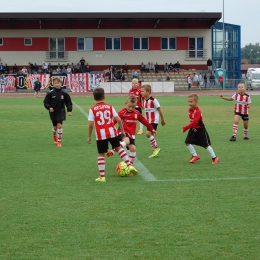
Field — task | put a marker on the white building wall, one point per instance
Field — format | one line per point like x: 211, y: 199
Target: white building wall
x: 106, y: 57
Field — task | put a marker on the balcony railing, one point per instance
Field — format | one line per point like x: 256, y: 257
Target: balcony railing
x: 196, y: 54
x: 56, y: 56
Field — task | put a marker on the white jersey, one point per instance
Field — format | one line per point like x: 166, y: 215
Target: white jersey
x: 151, y: 106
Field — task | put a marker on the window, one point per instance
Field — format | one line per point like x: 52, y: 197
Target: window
x: 140, y: 43
x: 27, y: 41
x: 85, y: 44
x: 196, y: 46
x: 1, y: 41
x: 113, y: 44
x: 168, y: 44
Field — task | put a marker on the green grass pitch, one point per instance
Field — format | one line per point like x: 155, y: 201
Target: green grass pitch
x: 51, y: 207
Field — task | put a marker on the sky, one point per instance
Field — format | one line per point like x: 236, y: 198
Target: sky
x: 239, y: 12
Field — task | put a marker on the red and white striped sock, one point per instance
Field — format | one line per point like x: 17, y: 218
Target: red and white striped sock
x: 132, y: 156
x: 153, y: 142
x: 101, y: 166
x: 235, y: 127
x: 59, y: 134
x: 245, y: 132
x: 124, y: 156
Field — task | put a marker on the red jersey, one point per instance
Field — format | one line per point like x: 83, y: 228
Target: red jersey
x: 102, y: 114
x: 242, y: 102
x: 151, y: 106
x: 196, y: 120
x: 129, y: 120
x: 136, y: 92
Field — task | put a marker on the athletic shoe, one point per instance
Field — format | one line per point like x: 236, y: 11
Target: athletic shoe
x: 55, y: 140
x: 194, y: 159
x: 101, y: 179
x: 132, y: 170
x: 155, y: 153
x: 215, y: 160
x: 109, y: 153
x: 59, y: 144
x: 246, y: 138
x: 233, y: 138
x: 140, y: 132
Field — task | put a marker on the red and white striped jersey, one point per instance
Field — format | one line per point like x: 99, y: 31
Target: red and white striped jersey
x: 151, y: 106
x: 102, y: 115
x: 242, y: 102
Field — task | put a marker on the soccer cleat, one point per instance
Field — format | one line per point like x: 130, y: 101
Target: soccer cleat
x: 215, y: 160
x: 132, y: 170
x: 233, y: 138
x: 155, y: 153
x: 59, y: 144
x: 55, y: 140
x: 246, y: 138
x: 140, y: 132
x: 194, y: 159
x: 109, y: 153
x: 101, y: 179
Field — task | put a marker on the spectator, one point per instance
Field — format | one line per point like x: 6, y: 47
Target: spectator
x: 205, y: 80
x: 77, y: 68
x: 69, y: 69
x: 122, y: 77
x: 177, y: 67
x: 58, y: 70
x: 134, y: 75
x: 82, y: 65
x: 156, y: 67
x: 201, y: 81
x: 30, y: 68
x: 44, y: 67
x: 88, y: 70
x: 209, y: 65
x: 166, y: 68
x: 148, y: 66
x: 195, y: 80
x: 118, y: 75
x: 159, y: 78
x: 168, y: 77
x: 171, y: 67
x: 15, y: 69
x: 64, y: 70
x: 49, y: 69
x: 24, y: 70
x: 151, y: 66
x: 142, y: 67
x: 189, y: 80
x: 2, y: 68
x: 125, y: 68
x: 212, y: 80
x: 7, y: 70
x: 35, y: 68
x: 220, y: 80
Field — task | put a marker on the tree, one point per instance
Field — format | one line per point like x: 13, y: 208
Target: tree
x: 251, y: 54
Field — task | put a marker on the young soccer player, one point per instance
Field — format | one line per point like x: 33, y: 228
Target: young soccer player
x: 129, y: 116
x: 197, y: 134
x: 55, y: 101
x: 241, y: 107
x: 37, y: 88
x: 153, y: 113
x: 136, y: 91
x: 102, y: 116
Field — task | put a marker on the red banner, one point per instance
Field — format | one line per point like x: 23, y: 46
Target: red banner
x: 7, y: 83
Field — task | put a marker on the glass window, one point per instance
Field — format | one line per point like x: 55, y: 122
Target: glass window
x: 27, y: 41
x: 140, y: 43
x: 113, y: 44
x: 196, y: 47
x: 168, y: 44
x: 1, y: 41
x: 85, y: 44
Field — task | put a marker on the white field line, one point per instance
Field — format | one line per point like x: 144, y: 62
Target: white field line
x: 143, y: 171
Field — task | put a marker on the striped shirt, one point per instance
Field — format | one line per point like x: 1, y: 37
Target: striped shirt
x: 102, y: 115
x: 151, y: 106
x: 242, y: 102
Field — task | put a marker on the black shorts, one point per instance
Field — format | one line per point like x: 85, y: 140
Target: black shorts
x: 55, y: 122
x: 139, y: 109
x: 102, y: 145
x: 244, y: 117
x: 198, y: 136
x: 154, y: 126
x: 132, y: 141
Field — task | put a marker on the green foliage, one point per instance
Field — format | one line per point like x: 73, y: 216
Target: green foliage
x: 51, y: 207
x: 251, y: 54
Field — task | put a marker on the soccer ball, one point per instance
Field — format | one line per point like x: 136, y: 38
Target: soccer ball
x: 122, y: 169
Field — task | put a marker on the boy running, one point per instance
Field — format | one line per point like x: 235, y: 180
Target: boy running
x: 101, y: 116
x: 153, y: 112
x: 197, y: 134
x: 241, y: 107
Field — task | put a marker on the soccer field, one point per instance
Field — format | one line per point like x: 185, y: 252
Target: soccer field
x: 52, y: 208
